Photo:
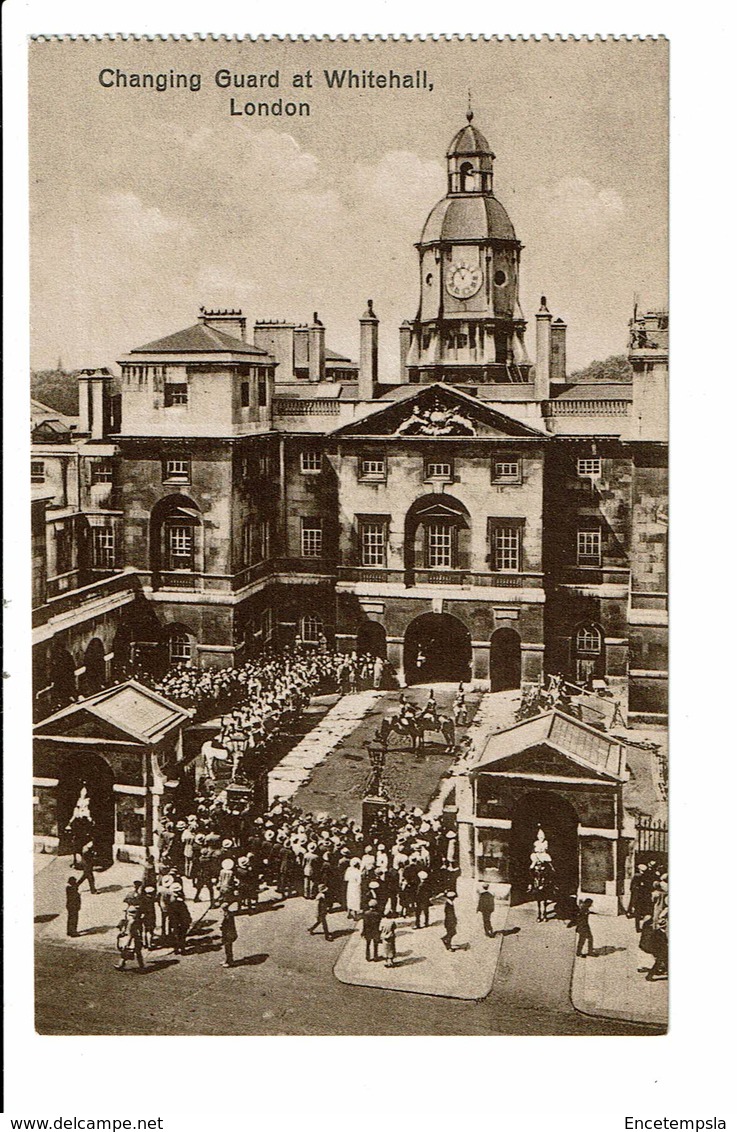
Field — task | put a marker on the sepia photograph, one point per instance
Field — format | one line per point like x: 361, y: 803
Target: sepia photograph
x: 349, y: 535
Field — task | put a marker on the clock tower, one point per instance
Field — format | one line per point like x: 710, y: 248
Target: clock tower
x: 469, y: 327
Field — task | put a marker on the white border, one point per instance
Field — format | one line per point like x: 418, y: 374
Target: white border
x: 535, y: 1083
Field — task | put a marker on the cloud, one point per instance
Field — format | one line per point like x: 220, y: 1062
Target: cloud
x: 128, y: 213
x: 399, y: 181
x: 574, y: 201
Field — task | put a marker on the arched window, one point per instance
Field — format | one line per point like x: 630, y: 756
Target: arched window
x: 180, y: 648
x: 312, y: 629
x: 467, y: 175
x: 589, y: 654
x: 588, y: 640
x: 176, y: 536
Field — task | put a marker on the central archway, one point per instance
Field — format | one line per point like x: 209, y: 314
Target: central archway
x: 505, y: 660
x: 95, y: 773
x: 559, y: 821
x: 437, y: 647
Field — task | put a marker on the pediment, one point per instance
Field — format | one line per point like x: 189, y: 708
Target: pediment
x: 82, y: 724
x: 437, y: 412
x: 542, y: 759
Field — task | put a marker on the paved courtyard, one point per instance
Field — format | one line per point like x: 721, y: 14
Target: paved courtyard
x: 525, y: 980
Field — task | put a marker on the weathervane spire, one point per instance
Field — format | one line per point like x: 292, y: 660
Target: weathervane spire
x: 469, y: 112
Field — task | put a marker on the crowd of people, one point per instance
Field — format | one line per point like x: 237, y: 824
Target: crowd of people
x: 237, y: 861
x: 269, y: 680
x: 648, y: 907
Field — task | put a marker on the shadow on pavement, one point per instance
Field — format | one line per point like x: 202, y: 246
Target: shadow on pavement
x: 609, y: 949
x: 252, y: 960
x: 98, y: 929
x: 111, y: 888
x: 152, y: 967
x: 46, y: 919
x: 411, y: 961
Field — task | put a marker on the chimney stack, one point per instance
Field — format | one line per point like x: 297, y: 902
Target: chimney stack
x: 368, y: 373
x: 405, y: 338
x: 230, y: 322
x: 542, y: 362
x: 317, y: 349
x: 558, y: 350
x: 94, y: 403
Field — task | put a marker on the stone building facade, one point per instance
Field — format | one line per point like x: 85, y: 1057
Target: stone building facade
x: 474, y: 516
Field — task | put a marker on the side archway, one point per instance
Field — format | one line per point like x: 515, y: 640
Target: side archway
x: 95, y: 674
x: 371, y: 639
x: 63, y: 679
x: 505, y: 660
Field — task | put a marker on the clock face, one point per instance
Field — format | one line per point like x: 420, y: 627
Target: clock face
x: 464, y: 280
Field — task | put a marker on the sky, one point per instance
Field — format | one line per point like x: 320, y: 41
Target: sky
x: 146, y: 205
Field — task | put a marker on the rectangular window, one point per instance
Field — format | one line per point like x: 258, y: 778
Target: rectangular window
x: 312, y: 538
x: 588, y: 548
x: 373, y: 543
x: 245, y: 394
x: 247, y: 540
x: 439, y: 546
x: 181, y: 547
x: 506, y: 548
x: 506, y: 471
x: 103, y: 548
x: 264, y: 464
x: 180, y: 650
x: 38, y: 471
x: 372, y: 468
x: 438, y: 470
x: 267, y: 626
x: 178, y: 470
x: 262, y: 389
x: 310, y: 460
x: 588, y: 467
x: 265, y: 539
x: 102, y: 472
x: 63, y: 539
x: 176, y: 393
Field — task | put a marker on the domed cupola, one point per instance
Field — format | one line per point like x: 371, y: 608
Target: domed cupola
x: 469, y: 327
x: 470, y: 161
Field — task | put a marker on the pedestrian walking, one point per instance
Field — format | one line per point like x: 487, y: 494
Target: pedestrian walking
x: 583, y: 928
x: 371, y: 931
x: 352, y: 878
x: 321, y: 912
x: 87, y: 863
x: 486, y: 908
x: 388, y: 935
x: 148, y: 915
x: 659, y: 930
x: 228, y: 932
x: 450, y: 920
x: 641, y: 904
x: 74, y: 905
x: 180, y: 922
x: 422, y: 900
x: 130, y: 939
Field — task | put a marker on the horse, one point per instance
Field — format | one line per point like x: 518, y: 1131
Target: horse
x: 416, y: 727
x: 542, y: 887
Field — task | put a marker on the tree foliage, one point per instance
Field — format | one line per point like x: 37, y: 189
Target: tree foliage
x: 614, y: 368
x: 57, y: 389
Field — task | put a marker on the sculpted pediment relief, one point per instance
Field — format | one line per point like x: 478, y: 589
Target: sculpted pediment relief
x: 436, y: 420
